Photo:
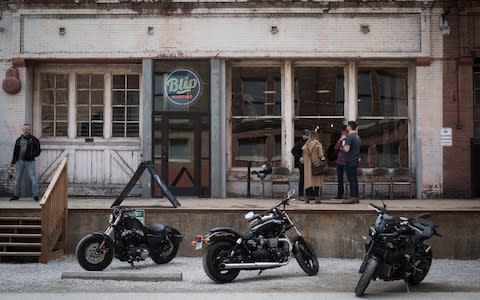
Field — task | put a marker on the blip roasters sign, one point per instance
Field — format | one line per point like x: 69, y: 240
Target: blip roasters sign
x: 182, y: 87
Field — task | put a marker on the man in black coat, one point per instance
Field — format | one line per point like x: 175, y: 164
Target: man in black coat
x: 27, y: 147
x: 297, y: 153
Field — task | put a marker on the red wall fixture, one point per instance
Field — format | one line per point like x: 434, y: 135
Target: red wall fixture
x: 11, y: 84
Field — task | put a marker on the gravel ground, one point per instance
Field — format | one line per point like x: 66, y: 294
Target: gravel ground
x: 335, y: 275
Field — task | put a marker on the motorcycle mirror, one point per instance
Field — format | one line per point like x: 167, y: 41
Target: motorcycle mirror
x: 249, y: 215
x: 291, y: 193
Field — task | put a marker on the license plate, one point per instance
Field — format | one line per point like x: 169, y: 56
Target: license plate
x: 197, y: 243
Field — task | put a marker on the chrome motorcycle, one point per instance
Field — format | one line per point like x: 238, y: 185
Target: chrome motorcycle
x: 395, y: 249
x: 265, y: 245
x: 129, y: 240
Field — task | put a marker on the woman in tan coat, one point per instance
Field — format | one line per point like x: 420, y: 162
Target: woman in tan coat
x: 312, y: 150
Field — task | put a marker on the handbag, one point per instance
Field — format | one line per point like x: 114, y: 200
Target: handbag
x: 319, y: 167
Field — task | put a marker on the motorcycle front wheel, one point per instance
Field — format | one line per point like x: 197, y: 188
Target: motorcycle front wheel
x: 306, y: 257
x: 366, y: 277
x: 421, y: 268
x: 163, y: 257
x: 217, y: 254
x: 94, y: 252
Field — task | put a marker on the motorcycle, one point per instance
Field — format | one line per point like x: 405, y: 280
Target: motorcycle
x: 129, y: 240
x: 395, y: 249
x: 265, y: 245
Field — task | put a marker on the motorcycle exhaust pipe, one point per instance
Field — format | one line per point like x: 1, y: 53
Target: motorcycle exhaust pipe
x: 258, y: 265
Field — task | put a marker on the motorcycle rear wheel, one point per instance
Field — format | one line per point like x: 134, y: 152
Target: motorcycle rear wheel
x: 422, y: 268
x: 165, y: 257
x: 94, y: 252
x: 366, y: 277
x: 306, y: 257
x: 215, y: 255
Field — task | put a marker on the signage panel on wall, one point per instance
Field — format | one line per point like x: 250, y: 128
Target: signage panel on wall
x: 446, y: 137
x: 182, y: 87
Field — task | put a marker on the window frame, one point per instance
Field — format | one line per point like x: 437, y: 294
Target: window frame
x: 72, y: 70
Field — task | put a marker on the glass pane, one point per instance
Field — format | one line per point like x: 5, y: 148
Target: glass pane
x: 118, y: 98
x: 158, y: 84
x: 47, y: 128
x: 133, y: 98
x: 119, y: 82
x: 61, y: 129
x: 97, y: 81
x: 132, y: 113
x: 384, y: 143
x: 382, y: 92
x: 179, y: 149
x: 83, y: 129
x: 83, y: 97
x: 47, y: 81
x: 133, y: 82
x: 61, y: 81
x: 157, y: 137
x: 47, y: 113
x: 133, y: 129
x: 256, y: 92
x: 61, y: 97
x: 83, y: 81
x: 97, y: 129
x: 47, y: 97
x: 83, y: 113
x: 97, y: 113
x: 477, y: 96
x: 319, y: 91
x: 119, y: 114
x: 97, y: 97
x: 61, y: 113
x: 118, y: 129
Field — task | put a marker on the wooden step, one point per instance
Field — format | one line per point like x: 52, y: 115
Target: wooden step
x: 20, y: 226
x: 20, y: 235
x: 19, y: 253
x: 20, y: 219
x: 15, y: 244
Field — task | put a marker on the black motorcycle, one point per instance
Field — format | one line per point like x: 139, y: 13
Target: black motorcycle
x: 128, y: 240
x: 265, y: 246
x: 395, y: 249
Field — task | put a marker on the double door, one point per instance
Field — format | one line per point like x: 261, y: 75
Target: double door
x: 181, y: 148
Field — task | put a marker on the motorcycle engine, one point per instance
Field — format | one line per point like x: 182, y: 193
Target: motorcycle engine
x: 132, y: 241
x: 267, y: 249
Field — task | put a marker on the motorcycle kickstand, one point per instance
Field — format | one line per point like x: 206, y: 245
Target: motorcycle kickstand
x: 261, y: 271
x: 133, y: 266
x: 407, y: 286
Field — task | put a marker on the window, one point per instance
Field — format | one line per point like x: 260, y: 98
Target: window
x: 90, y: 90
x: 383, y: 117
x: 319, y: 104
x: 476, y: 101
x: 126, y: 105
x: 256, y: 115
x: 101, y: 104
x: 54, y: 104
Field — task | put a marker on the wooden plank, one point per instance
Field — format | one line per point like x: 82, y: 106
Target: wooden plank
x: 20, y: 235
x: 20, y: 219
x: 20, y: 226
x: 17, y: 253
x: 3, y: 244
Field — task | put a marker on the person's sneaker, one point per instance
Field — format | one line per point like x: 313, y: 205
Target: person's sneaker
x: 301, y: 198
x: 14, y: 198
x: 36, y: 198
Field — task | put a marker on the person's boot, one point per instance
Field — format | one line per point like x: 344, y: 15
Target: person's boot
x: 353, y: 200
x: 318, y: 200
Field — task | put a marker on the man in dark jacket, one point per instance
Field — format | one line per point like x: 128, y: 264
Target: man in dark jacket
x: 297, y: 153
x: 27, y: 147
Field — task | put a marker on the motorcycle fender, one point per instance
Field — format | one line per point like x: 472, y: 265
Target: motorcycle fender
x: 221, y: 235
x: 364, y: 263
x: 106, y: 237
x: 174, y: 233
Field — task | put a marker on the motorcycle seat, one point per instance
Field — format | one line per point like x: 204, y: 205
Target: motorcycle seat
x: 231, y: 230
x: 156, y: 228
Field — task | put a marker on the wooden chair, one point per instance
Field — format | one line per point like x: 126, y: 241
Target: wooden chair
x: 402, y: 177
x: 280, y: 176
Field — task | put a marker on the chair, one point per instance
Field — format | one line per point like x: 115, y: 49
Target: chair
x: 280, y: 176
x: 402, y: 177
x: 362, y: 180
x: 380, y: 177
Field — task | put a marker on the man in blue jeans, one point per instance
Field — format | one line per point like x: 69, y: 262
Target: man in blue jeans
x: 352, y: 155
x: 27, y: 147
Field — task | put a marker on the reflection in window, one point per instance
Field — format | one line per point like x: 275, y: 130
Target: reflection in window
x: 384, y: 143
x: 54, y: 104
x: 90, y: 88
x: 179, y: 149
x: 382, y: 92
x: 319, y: 91
x: 126, y: 105
x: 256, y: 114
